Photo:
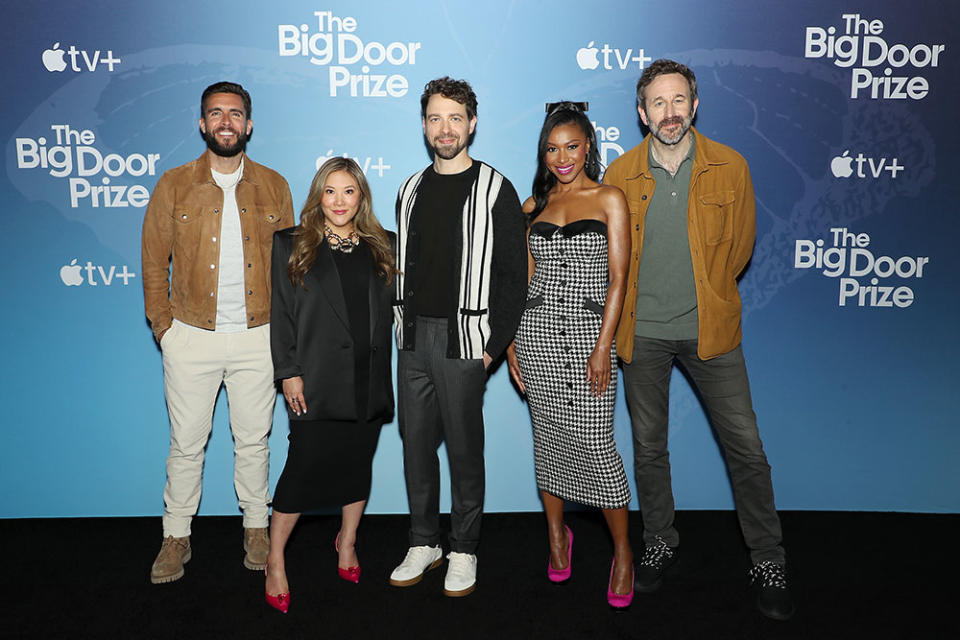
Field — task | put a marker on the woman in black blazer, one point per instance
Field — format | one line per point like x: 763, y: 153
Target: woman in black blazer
x: 330, y: 325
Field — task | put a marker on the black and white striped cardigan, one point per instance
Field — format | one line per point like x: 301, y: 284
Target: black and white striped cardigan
x: 471, y: 318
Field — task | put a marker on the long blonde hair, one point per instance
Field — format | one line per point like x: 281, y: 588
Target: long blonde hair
x: 309, y: 234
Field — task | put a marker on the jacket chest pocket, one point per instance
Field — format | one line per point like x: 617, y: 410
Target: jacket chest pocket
x: 188, y: 227
x: 268, y: 221
x: 716, y: 211
x: 186, y: 217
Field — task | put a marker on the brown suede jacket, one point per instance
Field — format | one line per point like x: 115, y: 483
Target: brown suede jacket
x: 721, y: 225
x: 182, y: 224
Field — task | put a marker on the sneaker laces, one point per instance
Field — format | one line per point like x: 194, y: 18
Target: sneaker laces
x: 768, y: 574
x: 459, y: 563
x: 416, y: 555
x: 654, y: 555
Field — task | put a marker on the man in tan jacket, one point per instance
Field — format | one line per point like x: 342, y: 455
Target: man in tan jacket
x: 693, y: 225
x: 207, y: 237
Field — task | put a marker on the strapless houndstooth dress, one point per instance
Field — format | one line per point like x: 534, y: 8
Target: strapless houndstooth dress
x: 575, y: 454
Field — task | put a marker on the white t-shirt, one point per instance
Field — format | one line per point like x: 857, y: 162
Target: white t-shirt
x: 231, y: 301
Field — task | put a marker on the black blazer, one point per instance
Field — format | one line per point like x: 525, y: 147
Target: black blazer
x: 310, y: 337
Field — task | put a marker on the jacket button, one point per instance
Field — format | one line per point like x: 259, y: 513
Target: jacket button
x: 251, y: 318
x: 244, y: 210
x: 249, y: 264
x: 213, y: 266
x: 209, y: 321
x: 216, y: 210
x: 643, y: 197
x: 638, y: 227
x: 214, y: 238
x: 250, y: 293
x: 247, y: 238
x: 183, y: 217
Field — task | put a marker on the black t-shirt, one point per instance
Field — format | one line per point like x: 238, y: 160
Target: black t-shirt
x: 355, y: 270
x: 436, y: 211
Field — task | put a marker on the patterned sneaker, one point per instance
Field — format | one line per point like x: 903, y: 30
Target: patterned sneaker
x: 418, y: 561
x: 656, y: 559
x: 461, y: 578
x: 256, y: 542
x: 774, y: 599
x: 174, y: 553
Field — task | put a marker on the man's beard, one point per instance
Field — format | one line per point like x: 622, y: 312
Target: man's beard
x: 684, y: 123
x: 448, y: 151
x: 239, y: 145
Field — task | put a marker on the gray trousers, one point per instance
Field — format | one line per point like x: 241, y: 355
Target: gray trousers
x: 725, y: 392
x: 441, y: 399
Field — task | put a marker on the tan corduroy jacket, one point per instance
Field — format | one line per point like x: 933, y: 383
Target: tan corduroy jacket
x: 721, y: 224
x: 182, y: 226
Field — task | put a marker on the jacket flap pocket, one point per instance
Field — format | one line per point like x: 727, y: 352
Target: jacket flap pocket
x: 186, y: 216
x: 718, y: 198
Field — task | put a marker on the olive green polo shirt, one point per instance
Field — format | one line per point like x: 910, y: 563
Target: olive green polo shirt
x: 667, y: 298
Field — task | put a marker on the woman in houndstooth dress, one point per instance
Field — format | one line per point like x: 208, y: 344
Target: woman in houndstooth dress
x: 563, y: 357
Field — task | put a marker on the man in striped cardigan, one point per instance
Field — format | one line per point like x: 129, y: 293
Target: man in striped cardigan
x: 460, y: 292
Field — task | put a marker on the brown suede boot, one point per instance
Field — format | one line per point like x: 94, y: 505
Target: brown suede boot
x: 174, y: 553
x: 256, y: 542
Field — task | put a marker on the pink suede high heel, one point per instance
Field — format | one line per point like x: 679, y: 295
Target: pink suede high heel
x: 616, y: 600
x: 559, y: 576
x: 280, y: 602
x: 350, y: 574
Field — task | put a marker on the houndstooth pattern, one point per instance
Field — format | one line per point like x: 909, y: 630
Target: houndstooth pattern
x: 575, y: 455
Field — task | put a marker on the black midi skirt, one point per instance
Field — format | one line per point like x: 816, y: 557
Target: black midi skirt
x: 328, y: 464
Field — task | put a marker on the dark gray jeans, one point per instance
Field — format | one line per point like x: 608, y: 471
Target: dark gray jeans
x: 441, y: 399
x: 725, y: 391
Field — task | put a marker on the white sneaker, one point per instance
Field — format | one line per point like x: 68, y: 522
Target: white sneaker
x: 461, y: 577
x: 419, y: 560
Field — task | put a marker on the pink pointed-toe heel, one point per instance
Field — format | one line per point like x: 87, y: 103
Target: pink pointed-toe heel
x: 280, y: 602
x: 559, y: 576
x: 350, y: 574
x: 617, y: 600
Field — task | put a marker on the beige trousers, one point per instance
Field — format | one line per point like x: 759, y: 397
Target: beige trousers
x: 195, y: 363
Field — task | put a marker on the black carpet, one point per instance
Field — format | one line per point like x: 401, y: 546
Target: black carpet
x: 853, y: 575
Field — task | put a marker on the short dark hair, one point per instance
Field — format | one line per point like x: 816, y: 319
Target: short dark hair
x: 663, y: 67
x: 456, y: 90
x: 226, y: 87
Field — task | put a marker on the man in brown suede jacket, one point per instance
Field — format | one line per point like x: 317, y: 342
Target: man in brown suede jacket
x: 207, y: 237
x: 693, y: 224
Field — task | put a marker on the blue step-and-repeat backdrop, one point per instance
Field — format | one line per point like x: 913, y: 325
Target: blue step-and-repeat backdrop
x: 846, y: 112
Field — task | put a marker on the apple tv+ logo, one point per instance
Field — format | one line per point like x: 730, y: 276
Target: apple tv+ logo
x: 54, y: 59
x: 588, y: 57
x: 842, y: 166
x: 72, y: 274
